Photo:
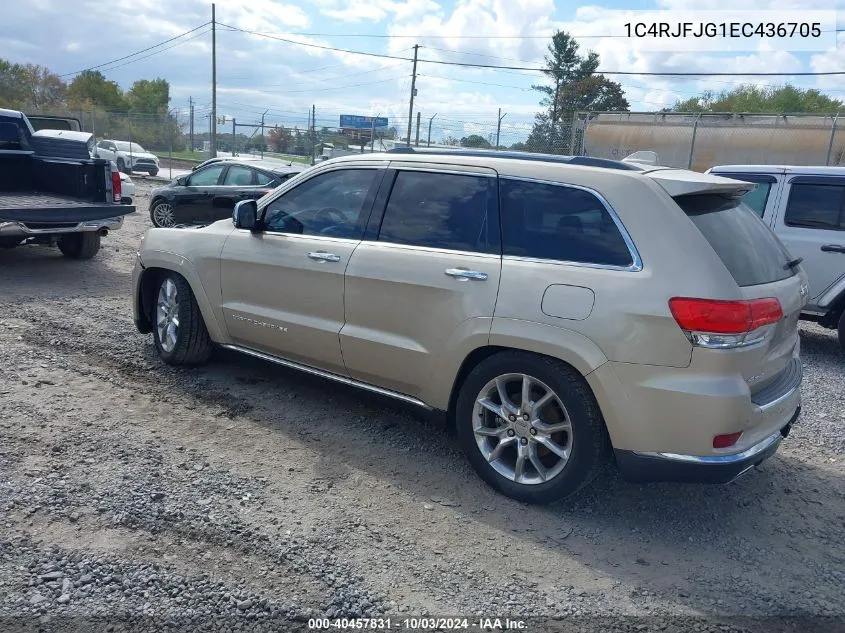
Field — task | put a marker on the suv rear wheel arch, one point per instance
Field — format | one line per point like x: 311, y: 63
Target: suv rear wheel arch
x: 568, y: 444
x: 479, y: 355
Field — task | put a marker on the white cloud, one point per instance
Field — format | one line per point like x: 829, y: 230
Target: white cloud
x: 830, y: 61
x: 355, y: 11
x: 256, y: 73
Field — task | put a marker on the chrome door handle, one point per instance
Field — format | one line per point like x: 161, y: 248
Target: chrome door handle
x: 463, y: 273
x: 322, y: 256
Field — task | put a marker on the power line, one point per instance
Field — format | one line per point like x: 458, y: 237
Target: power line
x: 456, y: 37
x: 144, y: 50
x: 536, y: 69
x: 137, y: 59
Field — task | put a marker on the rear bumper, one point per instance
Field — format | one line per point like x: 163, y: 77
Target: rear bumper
x: 19, y: 229
x: 652, y: 467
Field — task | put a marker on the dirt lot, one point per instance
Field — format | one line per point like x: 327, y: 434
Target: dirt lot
x: 242, y: 490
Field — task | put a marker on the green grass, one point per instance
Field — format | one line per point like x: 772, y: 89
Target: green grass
x: 197, y: 156
x: 291, y: 157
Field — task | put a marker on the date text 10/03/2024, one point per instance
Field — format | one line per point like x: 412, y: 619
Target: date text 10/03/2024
x: 492, y: 625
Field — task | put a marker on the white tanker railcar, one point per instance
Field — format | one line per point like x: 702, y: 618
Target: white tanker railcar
x: 701, y: 141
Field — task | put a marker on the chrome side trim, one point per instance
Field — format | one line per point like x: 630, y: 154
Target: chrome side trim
x: 773, y: 439
x: 308, y: 369
x: 637, y: 262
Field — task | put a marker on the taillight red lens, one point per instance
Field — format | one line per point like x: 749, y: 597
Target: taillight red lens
x: 724, y: 441
x: 724, y: 317
x: 116, y: 186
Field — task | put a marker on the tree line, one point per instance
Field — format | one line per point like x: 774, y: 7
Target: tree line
x: 139, y: 114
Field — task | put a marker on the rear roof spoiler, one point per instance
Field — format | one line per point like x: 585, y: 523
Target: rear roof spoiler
x: 685, y: 182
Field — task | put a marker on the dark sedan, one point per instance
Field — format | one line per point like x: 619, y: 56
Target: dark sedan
x: 211, y: 192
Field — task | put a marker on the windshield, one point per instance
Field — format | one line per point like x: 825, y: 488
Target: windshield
x: 123, y: 146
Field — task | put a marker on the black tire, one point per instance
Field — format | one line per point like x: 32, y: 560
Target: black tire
x: 157, y: 218
x: 121, y: 165
x: 153, y: 172
x: 590, y: 444
x: 80, y: 245
x: 192, y: 345
x: 841, y: 329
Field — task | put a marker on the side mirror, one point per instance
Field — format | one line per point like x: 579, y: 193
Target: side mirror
x: 245, y: 215
x: 182, y: 181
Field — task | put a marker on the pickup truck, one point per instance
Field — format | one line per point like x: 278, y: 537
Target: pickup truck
x: 53, y: 192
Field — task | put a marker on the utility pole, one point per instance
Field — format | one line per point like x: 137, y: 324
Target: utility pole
x: 554, y: 111
x: 373, y: 134
x: 263, y: 140
x: 418, y: 129
x: 213, y: 81
x: 191, y: 102
x: 312, y: 137
x: 499, y: 126
x: 233, y: 137
x: 413, y: 93
x: 429, y: 128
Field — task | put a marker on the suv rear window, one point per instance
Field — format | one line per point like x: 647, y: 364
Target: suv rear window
x: 749, y: 249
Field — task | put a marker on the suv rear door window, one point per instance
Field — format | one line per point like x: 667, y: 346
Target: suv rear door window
x: 749, y: 249
x: 816, y: 206
x: 550, y: 221
x: 441, y: 210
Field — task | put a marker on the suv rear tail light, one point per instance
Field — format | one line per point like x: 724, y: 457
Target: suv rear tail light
x: 116, y: 187
x: 725, y: 324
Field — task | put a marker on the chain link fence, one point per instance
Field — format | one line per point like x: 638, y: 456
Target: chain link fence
x: 685, y: 140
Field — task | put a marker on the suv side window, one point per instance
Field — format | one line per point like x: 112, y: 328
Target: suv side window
x: 441, y: 210
x: 331, y: 204
x: 816, y: 206
x: 557, y: 222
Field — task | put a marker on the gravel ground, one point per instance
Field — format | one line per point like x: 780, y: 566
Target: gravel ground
x: 240, y: 494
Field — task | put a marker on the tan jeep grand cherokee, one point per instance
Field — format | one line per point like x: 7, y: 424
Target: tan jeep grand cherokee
x: 562, y: 310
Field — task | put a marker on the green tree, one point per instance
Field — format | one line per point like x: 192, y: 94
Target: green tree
x: 750, y: 98
x: 280, y: 139
x: 30, y: 87
x: 46, y: 90
x: 475, y: 140
x: 149, y: 96
x: 90, y: 88
x: 12, y: 85
x: 575, y: 86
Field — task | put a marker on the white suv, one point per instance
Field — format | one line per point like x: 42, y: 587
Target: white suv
x: 128, y: 156
x: 806, y: 208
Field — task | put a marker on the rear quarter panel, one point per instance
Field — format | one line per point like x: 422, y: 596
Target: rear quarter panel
x: 630, y: 320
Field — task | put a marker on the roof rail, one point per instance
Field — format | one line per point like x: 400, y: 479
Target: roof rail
x: 587, y: 161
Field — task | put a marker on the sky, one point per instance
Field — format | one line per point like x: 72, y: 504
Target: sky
x: 280, y: 68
